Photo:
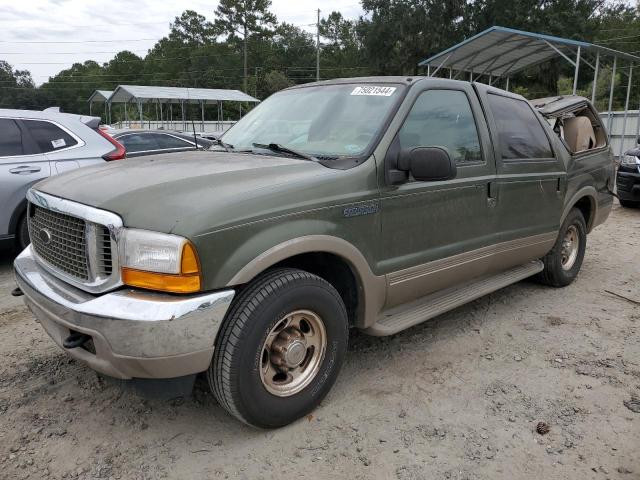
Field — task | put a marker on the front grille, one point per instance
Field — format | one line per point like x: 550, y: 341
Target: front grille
x: 105, y: 262
x: 60, y: 240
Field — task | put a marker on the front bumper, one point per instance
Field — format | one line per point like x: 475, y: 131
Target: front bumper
x: 628, y: 185
x: 135, y: 333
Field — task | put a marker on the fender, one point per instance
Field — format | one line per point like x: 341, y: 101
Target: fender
x: 589, y: 192
x: 372, y: 288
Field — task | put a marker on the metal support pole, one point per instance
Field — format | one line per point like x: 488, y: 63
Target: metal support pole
x: 575, y: 75
x: 626, y: 111
x: 109, y: 111
x: 90, y: 104
x: 318, y: 48
x: 507, y: 88
x: 637, y: 139
x: 202, y: 112
x: 161, y: 116
x: 140, y: 112
x: 171, y: 127
x: 595, y: 79
x: 471, y: 76
x: 184, y: 127
x: 126, y: 116
x: 450, y: 73
x: 613, y: 81
x: 428, y: 70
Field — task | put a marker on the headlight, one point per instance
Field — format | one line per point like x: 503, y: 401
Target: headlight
x: 630, y: 160
x: 159, y: 261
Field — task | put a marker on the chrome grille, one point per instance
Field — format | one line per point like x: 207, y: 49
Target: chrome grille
x: 104, y: 260
x: 60, y: 240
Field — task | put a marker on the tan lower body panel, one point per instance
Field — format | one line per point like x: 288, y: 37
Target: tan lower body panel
x: 409, y: 284
x: 400, y: 318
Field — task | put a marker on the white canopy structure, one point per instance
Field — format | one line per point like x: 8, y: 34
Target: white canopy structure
x: 165, y: 97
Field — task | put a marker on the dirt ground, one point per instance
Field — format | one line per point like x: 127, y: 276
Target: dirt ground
x: 457, y: 398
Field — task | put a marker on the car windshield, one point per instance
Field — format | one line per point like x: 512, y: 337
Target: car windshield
x: 322, y: 121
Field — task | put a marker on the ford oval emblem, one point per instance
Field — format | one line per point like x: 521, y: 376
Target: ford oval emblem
x: 45, y: 236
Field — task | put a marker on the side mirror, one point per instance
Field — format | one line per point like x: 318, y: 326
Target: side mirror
x: 428, y: 164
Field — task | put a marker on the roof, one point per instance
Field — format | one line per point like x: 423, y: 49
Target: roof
x: 500, y: 51
x: 126, y: 93
x: 100, y: 96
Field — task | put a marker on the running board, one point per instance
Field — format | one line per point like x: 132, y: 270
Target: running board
x: 400, y: 318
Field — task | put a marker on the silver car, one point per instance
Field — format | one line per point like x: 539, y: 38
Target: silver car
x: 35, y: 145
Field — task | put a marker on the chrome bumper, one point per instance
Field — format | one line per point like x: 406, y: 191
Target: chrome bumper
x: 135, y: 333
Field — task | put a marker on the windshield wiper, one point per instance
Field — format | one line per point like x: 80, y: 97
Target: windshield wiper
x: 276, y: 147
x: 226, y: 146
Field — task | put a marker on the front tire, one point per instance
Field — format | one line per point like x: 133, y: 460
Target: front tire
x: 22, y: 236
x: 280, y: 348
x: 563, y: 262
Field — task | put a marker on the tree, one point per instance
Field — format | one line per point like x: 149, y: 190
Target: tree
x: 275, y: 81
x: 243, y: 18
x: 191, y: 28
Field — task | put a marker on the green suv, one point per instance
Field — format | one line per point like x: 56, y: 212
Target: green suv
x: 369, y: 203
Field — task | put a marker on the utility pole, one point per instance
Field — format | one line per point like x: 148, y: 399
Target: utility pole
x: 318, y: 48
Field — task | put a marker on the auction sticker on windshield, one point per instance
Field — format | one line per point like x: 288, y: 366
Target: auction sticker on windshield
x: 373, y: 90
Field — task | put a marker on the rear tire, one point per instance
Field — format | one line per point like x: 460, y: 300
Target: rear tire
x: 22, y: 234
x: 563, y: 262
x: 629, y: 204
x: 280, y: 348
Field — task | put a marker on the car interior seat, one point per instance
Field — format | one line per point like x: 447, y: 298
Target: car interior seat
x: 579, y: 134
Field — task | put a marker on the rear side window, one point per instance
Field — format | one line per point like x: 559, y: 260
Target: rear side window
x: 520, y: 133
x: 169, y: 141
x: 10, y: 138
x: 48, y: 136
x: 138, y: 142
x: 443, y: 118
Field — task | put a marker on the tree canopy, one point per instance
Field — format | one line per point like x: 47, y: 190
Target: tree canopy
x: 242, y: 45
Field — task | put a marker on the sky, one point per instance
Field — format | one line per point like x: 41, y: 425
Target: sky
x: 47, y: 36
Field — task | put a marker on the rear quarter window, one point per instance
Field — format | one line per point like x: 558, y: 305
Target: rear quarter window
x: 521, y: 135
x: 48, y: 136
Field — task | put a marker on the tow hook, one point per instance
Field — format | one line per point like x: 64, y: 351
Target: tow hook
x: 16, y: 292
x: 76, y: 339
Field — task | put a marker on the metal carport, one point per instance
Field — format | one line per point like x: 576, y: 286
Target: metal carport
x: 168, y: 96
x: 101, y: 96
x: 499, y: 52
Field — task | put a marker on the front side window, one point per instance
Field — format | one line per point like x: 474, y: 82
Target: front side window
x: 443, y: 118
x: 329, y: 120
x: 10, y: 138
x: 48, y: 136
x: 520, y: 133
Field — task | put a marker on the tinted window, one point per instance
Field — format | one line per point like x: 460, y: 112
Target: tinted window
x: 10, y: 138
x: 520, y: 132
x: 169, y: 141
x: 443, y: 118
x: 48, y: 136
x: 138, y: 142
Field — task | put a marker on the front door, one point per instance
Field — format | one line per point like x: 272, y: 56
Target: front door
x: 20, y: 167
x: 434, y: 233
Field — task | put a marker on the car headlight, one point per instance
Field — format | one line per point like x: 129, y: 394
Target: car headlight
x: 630, y: 160
x: 159, y: 261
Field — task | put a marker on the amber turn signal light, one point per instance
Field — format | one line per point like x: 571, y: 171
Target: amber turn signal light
x: 187, y: 281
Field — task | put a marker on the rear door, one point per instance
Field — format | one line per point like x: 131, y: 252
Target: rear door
x: 63, y: 148
x: 531, y: 180
x: 21, y: 165
x: 434, y: 232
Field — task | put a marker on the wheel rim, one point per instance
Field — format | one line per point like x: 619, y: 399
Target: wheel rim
x: 570, y: 247
x: 292, y: 353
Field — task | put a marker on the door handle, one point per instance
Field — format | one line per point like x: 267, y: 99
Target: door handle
x: 25, y: 170
x: 491, y: 194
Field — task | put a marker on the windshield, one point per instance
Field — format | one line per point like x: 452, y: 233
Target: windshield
x: 323, y: 121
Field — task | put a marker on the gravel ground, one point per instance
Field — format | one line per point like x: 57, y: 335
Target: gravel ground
x: 458, y: 397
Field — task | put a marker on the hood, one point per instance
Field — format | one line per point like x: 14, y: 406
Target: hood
x: 552, y: 107
x: 162, y: 192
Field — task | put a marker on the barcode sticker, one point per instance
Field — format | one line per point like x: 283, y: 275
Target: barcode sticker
x: 373, y: 90
x: 58, y: 143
